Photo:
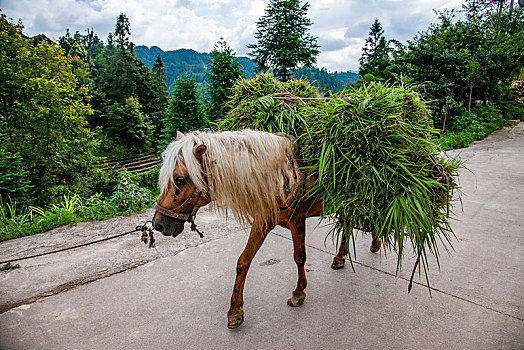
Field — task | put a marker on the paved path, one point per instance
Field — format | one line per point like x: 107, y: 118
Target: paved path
x: 176, y: 297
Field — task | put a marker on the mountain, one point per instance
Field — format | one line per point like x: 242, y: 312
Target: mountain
x: 177, y: 62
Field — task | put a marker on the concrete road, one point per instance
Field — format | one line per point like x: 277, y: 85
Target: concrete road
x: 177, y: 296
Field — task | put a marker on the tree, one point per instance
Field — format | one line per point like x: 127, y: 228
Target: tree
x: 378, y: 55
x: 158, y: 69
x: 122, y: 30
x: 14, y: 179
x: 118, y: 75
x: 284, y: 43
x: 184, y: 110
x: 463, y: 60
x: 42, y: 112
x: 128, y: 125
x: 222, y: 72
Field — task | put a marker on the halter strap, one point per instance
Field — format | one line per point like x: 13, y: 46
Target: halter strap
x: 183, y: 216
x: 171, y: 213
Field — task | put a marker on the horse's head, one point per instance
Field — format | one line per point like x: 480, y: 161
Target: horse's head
x: 181, y: 196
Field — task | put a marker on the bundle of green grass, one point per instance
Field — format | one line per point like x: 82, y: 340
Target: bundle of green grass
x: 370, y: 154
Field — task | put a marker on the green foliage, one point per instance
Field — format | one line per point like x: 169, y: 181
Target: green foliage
x: 184, y: 110
x: 378, y: 55
x: 158, y: 69
x: 129, y: 126
x: 147, y: 179
x: 43, y: 111
x: 103, y: 182
x: 118, y: 76
x: 252, y: 105
x: 223, y: 71
x: 14, y: 179
x: 472, y: 126
x: 14, y: 222
x: 462, y: 61
x: 84, y: 47
x: 122, y: 30
x: 9, y: 266
x: 128, y: 197
x: 125, y: 198
x: 512, y: 111
x: 325, y: 81
x: 369, y: 153
x: 283, y: 42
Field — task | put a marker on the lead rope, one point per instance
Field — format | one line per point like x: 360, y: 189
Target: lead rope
x: 191, y: 220
x: 149, y: 239
x: 147, y: 234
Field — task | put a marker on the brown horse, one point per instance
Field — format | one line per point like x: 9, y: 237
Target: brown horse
x: 256, y: 176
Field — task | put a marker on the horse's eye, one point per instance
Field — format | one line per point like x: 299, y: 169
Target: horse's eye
x: 180, y: 180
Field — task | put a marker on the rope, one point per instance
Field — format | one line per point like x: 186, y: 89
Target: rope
x: 142, y: 228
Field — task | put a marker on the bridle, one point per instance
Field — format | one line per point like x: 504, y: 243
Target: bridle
x: 184, y: 216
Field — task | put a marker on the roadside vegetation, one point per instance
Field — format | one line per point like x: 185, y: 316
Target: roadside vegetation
x: 66, y: 107
x: 129, y: 194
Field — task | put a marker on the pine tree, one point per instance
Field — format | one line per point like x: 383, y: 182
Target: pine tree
x: 158, y: 69
x: 284, y: 43
x: 184, y: 110
x: 122, y: 31
x: 222, y: 72
x: 375, y: 53
x: 129, y: 125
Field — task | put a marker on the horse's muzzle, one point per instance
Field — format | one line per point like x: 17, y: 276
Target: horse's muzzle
x: 167, y: 226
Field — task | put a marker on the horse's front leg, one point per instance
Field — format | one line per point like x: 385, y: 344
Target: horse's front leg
x: 235, y: 315
x: 298, y: 232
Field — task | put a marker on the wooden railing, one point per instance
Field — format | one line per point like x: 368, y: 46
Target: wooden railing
x: 134, y: 164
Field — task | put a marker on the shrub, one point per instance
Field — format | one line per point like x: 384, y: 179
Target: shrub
x: 147, y: 179
x: 471, y: 126
x: 14, y: 180
x: 512, y: 111
x: 128, y: 197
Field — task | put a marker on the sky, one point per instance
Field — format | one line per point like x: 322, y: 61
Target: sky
x: 341, y: 26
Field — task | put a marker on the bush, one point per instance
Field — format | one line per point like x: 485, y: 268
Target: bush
x: 147, y: 179
x: 472, y: 126
x: 512, y: 111
x: 102, y: 182
x: 127, y: 198
x: 14, y: 179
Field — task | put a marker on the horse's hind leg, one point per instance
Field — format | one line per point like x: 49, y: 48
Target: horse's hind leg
x: 235, y: 315
x: 339, y: 260
x: 375, y: 243
x: 298, y: 231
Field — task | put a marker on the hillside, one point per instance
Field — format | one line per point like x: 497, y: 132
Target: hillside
x: 178, y: 61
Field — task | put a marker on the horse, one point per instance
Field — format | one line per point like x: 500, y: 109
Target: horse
x: 254, y: 175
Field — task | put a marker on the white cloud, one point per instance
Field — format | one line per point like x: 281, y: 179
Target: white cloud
x: 341, y: 26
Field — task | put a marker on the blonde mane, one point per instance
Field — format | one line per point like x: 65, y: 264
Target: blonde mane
x: 252, y: 174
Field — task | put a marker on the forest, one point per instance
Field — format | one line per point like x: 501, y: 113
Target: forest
x: 68, y: 106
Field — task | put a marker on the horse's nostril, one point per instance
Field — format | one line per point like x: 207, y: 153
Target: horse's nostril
x: 159, y: 227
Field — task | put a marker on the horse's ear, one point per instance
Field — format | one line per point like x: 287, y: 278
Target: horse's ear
x: 179, y: 135
x: 199, y: 150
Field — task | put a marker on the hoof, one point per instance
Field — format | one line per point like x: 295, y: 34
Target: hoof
x: 374, y: 248
x: 337, y: 265
x: 235, y: 321
x: 295, y: 302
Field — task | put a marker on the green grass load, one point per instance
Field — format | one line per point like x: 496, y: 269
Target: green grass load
x: 371, y: 155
